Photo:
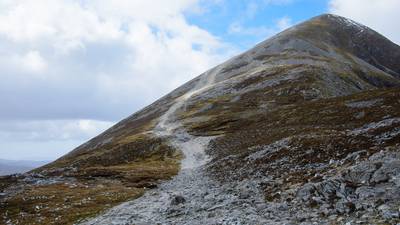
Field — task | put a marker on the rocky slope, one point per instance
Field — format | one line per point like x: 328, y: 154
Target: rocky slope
x: 303, y: 128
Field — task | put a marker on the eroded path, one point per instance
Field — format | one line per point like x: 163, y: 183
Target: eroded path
x: 191, y: 197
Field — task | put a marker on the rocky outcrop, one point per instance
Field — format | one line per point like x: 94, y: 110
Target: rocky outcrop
x: 368, y: 188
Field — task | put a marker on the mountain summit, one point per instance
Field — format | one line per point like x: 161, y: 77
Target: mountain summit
x: 302, y: 128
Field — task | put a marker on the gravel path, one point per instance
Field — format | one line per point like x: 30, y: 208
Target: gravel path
x: 191, y: 197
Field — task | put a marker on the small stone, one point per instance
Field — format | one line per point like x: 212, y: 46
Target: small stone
x: 306, y: 192
x: 211, y: 215
x: 176, y: 200
x: 345, y: 207
x: 387, y: 171
x: 391, y: 215
x: 360, y: 115
x: 388, y: 213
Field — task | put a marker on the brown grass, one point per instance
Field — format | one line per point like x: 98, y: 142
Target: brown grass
x: 90, y: 191
x: 65, y: 203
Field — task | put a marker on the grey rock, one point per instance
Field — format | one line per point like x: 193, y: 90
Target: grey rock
x: 388, y: 213
x: 177, y: 199
x: 386, y: 172
x: 360, y: 174
x: 345, y: 207
x: 306, y: 192
x: 354, y: 156
x: 365, y: 192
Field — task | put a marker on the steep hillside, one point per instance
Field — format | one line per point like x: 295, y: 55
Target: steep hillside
x: 302, y: 128
x: 325, y: 53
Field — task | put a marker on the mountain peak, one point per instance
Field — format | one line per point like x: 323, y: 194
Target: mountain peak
x: 350, y: 36
x: 333, y: 18
x: 335, y: 23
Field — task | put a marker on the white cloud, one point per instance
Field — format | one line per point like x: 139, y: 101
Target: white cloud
x: 29, y: 62
x: 55, y: 130
x: 34, y: 62
x: 45, y: 139
x: 284, y: 23
x: 65, y: 24
x: 105, y: 51
x: 97, y: 60
x: 381, y: 15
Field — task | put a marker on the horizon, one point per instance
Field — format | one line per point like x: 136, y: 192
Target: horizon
x: 63, y: 87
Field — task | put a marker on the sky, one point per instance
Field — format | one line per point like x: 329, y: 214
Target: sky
x: 70, y: 69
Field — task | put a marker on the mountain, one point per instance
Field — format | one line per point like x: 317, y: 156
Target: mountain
x: 18, y: 166
x: 303, y: 128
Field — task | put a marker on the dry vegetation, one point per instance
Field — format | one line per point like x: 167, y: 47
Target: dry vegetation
x: 85, y: 191
x: 316, y: 132
x: 64, y: 203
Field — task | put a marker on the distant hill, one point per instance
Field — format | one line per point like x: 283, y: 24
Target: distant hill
x: 8, y: 167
